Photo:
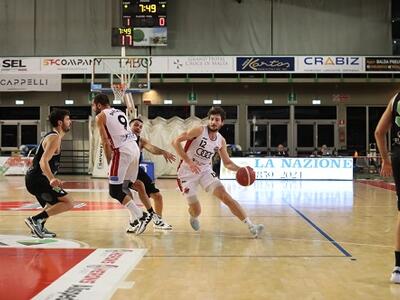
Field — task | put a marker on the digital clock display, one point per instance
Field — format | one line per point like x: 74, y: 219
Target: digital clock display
x: 144, y: 13
x: 144, y: 23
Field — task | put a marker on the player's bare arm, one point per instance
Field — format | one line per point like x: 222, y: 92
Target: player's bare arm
x: 100, y: 121
x: 51, y: 145
x: 169, y: 157
x: 186, y: 136
x: 380, y: 136
x: 228, y: 163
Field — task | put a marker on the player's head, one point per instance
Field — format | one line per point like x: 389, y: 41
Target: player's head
x: 100, y: 102
x: 59, y: 118
x: 136, y: 126
x: 216, y: 116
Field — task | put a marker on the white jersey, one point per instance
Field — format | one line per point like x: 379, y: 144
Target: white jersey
x: 201, y: 150
x: 117, y: 128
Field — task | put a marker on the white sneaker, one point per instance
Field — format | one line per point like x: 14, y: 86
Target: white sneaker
x: 194, y: 222
x: 256, y: 230
x: 132, y: 228
x: 159, y: 223
x: 395, y: 278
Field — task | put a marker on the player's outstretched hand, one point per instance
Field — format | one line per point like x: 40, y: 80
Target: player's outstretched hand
x: 169, y: 157
x: 55, y: 182
x: 194, y: 167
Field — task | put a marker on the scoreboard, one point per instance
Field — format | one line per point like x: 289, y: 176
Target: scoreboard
x: 144, y: 23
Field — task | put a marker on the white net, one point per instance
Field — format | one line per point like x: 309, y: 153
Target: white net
x: 119, y: 90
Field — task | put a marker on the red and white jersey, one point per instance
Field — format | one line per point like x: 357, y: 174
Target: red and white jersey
x: 201, y: 150
x: 117, y: 128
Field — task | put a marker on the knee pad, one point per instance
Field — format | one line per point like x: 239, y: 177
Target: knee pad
x: 116, y: 192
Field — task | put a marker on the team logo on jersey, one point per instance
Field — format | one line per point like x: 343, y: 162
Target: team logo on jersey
x: 204, y: 153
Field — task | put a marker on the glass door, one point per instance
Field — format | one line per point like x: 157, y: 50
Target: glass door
x: 265, y: 136
x: 311, y: 136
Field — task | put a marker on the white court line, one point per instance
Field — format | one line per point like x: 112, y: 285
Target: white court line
x: 95, y: 277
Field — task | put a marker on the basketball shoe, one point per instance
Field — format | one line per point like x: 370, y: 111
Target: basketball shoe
x: 256, y: 230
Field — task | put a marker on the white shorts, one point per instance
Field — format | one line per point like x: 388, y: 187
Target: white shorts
x: 124, y: 164
x: 188, y: 184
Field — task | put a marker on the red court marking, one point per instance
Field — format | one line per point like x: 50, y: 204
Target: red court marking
x: 380, y: 184
x: 25, y: 272
x: 20, y: 206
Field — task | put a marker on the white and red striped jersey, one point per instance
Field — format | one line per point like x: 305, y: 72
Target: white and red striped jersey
x: 201, y: 150
x: 117, y: 128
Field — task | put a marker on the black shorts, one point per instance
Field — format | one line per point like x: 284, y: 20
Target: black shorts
x: 39, y: 186
x: 148, y: 183
x: 396, y: 171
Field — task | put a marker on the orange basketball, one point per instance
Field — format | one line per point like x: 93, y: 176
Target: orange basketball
x: 245, y: 176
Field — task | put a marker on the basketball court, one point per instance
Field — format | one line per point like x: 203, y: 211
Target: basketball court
x: 323, y: 240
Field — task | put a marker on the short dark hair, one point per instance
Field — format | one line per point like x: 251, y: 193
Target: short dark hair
x: 216, y: 110
x: 58, y: 115
x: 101, y: 99
x: 136, y: 119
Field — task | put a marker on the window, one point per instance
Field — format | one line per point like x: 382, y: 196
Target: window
x: 231, y: 111
x: 228, y: 132
x: 268, y: 112
x: 278, y: 135
x: 9, y: 135
x: 76, y: 112
x: 315, y: 112
x: 374, y: 115
x: 356, y: 128
x: 29, y: 134
x: 169, y: 111
x: 20, y: 113
x: 305, y: 135
x: 260, y: 136
x: 326, y: 135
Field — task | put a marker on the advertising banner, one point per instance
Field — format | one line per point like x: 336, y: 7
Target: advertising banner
x: 329, y: 64
x: 32, y: 82
x: 295, y: 168
x: 19, y: 65
x: 265, y: 64
x: 200, y: 64
x: 382, y: 64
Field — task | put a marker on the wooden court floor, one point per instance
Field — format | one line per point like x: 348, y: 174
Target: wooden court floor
x: 322, y: 240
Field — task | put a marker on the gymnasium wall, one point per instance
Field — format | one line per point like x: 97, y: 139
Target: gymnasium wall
x: 202, y: 27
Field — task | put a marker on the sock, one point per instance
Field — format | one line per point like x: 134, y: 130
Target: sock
x: 397, y: 257
x: 43, y: 215
x: 134, y: 211
x: 150, y: 210
x: 248, y: 222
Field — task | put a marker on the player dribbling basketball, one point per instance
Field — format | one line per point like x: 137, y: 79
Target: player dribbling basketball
x: 195, y: 168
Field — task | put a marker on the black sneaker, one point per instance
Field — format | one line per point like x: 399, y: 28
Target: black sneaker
x: 35, y: 226
x: 133, y: 227
x: 46, y: 233
x: 143, y: 222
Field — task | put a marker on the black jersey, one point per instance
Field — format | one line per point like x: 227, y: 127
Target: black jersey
x: 54, y: 161
x: 141, y: 152
x: 396, y: 119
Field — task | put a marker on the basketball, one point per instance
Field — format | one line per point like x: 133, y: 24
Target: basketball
x: 245, y: 176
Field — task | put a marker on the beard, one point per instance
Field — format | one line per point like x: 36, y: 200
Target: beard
x: 66, y: 128
x: 215, y: 129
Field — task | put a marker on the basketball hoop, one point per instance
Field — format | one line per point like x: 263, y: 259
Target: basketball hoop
x: 119, y: 90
